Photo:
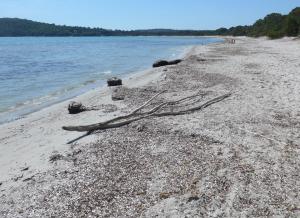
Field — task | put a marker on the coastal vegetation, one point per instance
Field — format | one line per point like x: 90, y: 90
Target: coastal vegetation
x: 274, y: 25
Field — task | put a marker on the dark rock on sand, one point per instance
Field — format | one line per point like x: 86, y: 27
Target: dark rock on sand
x: 114, y: 82
x: 76, y: 107
x: 28, y: 179
x: 25, y: 169
x: 140, y: 128
x: 117, y: 98
x: 193, y: 198
x: 161, y: 63
x: 55, y: 157
x: 164, y: 195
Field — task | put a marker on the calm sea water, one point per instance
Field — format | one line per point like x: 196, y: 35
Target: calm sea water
x: 38, y: 71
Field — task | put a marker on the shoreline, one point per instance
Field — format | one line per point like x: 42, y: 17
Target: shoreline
x: 103, y: 94
x: 239, y: 157
x: 22, y: 112
x: 12, y: 133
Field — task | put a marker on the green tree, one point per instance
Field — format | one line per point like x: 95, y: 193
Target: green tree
x: 292, y: 27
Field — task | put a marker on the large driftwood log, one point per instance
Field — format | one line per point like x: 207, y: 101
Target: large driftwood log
x: 160, y: 110
x: 161, y: 63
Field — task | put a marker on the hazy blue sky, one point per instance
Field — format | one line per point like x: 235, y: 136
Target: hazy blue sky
x: 141, y: 14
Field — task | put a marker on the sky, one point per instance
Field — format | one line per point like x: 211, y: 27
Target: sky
x: 146, y: 14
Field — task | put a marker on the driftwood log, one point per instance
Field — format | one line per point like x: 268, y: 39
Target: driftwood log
x: 161, y: 63
x: 187, y: 105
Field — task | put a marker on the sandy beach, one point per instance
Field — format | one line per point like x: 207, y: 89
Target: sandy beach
x: 237, y: 158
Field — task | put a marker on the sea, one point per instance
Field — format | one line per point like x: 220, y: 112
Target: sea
x: 36, y: 72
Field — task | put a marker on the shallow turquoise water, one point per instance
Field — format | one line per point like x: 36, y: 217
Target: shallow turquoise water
x: 38, y: 71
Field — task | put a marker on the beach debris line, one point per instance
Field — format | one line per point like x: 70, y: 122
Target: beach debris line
x: 114, y: 82
x: 161, y: 63
x: 17, y: 178
x: 28, y: 178
x: 168, y: 108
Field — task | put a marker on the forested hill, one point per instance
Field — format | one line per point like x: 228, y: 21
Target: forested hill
x: 22, y: 27
x: 273, y: 25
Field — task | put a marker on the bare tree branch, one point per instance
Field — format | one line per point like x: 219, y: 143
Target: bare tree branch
x: 134, y: 116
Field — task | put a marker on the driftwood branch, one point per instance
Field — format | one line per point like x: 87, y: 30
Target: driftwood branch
x: 157, y: 111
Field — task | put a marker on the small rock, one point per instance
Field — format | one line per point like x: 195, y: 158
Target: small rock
x: 164, y: 195
x: 77, y: 152
x: 1, y: 183
x: 141, y: 193
x: 140, y: 128
x: 25, y: 169
x: 28, y: 179
x: 20, y: 211
x: 55, y: 157
x: 117, y: 98
x: 193, y: 198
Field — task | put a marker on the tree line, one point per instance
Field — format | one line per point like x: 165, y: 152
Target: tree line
x: 274, y: 25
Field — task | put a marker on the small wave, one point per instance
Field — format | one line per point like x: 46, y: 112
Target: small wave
x: 25, y: 104
x: 20, y: 104
x: 67, y: 89
x: 44, y: 99
x: 102, y: 72
x: 89, y: 82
